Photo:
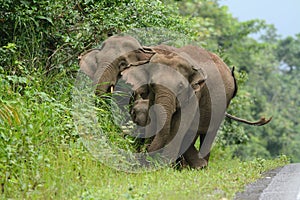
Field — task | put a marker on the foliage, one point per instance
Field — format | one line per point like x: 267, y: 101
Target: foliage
x: 71, y: 173
x: 215, y: 26
x: 273, y: 92
x: 288, y: 52
x: 51, y: 34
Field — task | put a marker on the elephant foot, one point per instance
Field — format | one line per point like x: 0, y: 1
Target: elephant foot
x: 199, y: 164
x: 150, y: 148
x: 193, y: 159
x: 180, y: 164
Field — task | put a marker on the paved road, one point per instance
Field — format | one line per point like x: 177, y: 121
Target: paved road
x: 279, y: 184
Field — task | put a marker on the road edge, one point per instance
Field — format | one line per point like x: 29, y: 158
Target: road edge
x: 253, y: 190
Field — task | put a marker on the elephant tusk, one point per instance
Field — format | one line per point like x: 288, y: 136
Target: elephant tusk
x: 111, y: 89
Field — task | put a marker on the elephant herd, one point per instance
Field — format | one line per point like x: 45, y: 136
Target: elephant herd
x: 178, y: 94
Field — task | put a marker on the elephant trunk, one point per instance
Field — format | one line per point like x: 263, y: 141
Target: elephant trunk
x: 165, y: 108
x: 105, y: 78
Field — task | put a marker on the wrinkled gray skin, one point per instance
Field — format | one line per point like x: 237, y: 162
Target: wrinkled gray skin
x: 167, y: 85
x: 165, y: 116
x: 104, y: 65
x: 213, y: 99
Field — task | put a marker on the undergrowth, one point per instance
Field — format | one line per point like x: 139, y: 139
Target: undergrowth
x: 43, y: 156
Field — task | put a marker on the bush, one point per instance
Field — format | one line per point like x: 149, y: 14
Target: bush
x: 51, y: 34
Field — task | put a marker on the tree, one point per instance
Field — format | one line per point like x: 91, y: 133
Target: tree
x: 288, y: 53
x: 53, y: 33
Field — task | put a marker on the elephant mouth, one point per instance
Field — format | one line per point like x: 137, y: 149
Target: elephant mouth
x: 141, y: 123
x: 140, y: 117
x: 139, y: 113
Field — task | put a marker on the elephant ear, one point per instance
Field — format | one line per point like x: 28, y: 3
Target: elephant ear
x: 143, y: 55
x: 148, y: 51
x: 137, y: 57
x: 197, y: 80
x: 198, y: 76
x: 87, y: 62
x: 135, y: 76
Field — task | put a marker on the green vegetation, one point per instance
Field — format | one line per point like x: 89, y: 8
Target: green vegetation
x: 41, y: 153
x: 71, y: 173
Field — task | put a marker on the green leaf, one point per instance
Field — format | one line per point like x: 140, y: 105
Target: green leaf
x: 45, y: 18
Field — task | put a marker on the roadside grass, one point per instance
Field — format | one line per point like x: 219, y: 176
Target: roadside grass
x: 43, y: 157
x: 70, y: 172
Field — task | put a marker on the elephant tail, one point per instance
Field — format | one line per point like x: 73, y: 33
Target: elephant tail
x: 260, y: 122
x: 235, y: 83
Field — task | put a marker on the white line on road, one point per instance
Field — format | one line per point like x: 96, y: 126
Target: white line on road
x: 298, y: 195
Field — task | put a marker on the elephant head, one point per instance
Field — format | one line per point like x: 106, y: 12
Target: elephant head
x: 139, y: 109
x: 104, y: 65
x: 166, y: 85
x: 182, y: 64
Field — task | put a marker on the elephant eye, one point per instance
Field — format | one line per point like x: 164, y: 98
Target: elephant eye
x: 122, y: 65
x: 195, y: 86
x: 144, y: 95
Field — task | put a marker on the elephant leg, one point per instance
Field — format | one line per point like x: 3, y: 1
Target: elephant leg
x: 202, y: 136
x: 208, y: 136
x: 191, y: 154
x: 193, y: 159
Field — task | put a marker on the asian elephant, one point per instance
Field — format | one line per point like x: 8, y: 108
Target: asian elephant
x: 186, y: 90
x: 103, y: 65
x: 213, y: 98
x: 167, y: 85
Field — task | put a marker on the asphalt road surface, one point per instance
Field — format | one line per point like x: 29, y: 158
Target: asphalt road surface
x: 279, y: 184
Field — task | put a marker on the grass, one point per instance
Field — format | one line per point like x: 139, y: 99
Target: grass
x: 42, y: 157
x: 72, y: 173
